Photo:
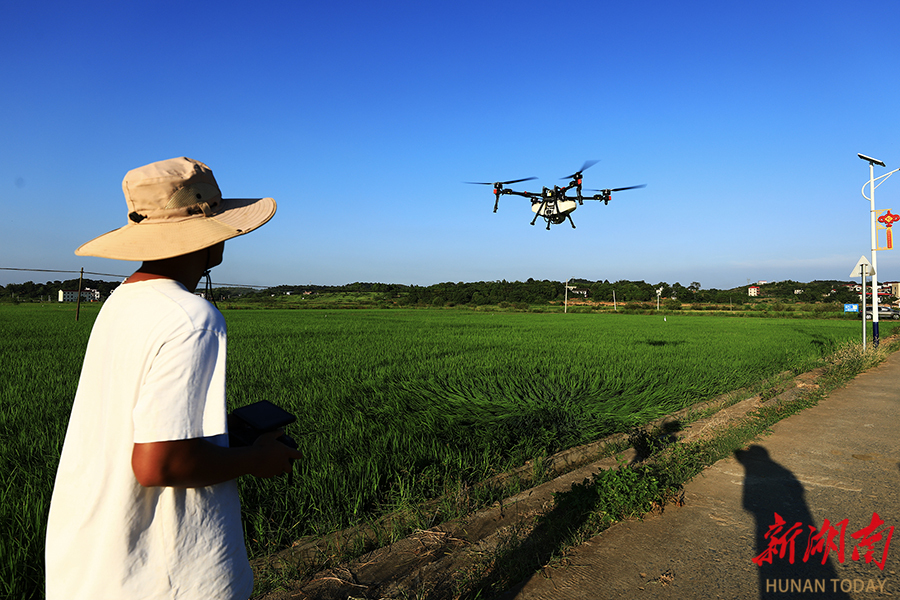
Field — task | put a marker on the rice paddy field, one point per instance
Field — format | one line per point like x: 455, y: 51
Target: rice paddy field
x: 395, y: 406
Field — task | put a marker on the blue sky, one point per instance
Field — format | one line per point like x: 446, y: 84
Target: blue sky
x: 362, y: 120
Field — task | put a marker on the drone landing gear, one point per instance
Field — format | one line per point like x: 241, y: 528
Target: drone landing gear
x: 558, y: 221
x: 537, y: 213
x: 548, y: 219
x: 551, y: 221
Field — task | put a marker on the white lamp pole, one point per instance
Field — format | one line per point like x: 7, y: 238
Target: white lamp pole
x: 871, y: 197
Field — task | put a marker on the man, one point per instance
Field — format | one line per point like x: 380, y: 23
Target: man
x: 145, y: 503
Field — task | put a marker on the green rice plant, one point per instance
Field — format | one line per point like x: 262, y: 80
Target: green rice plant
x: 393, y: 405
x: 41, y: 353
x: 396, y: 407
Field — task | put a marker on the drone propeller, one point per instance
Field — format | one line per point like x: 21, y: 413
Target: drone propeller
x: 605, y: 194
x: 631, y: 187
x: 499, y: 182
x: 498, y: 187
x: 577, y: 174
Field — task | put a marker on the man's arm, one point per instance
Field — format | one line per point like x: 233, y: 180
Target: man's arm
x: 199, y: 463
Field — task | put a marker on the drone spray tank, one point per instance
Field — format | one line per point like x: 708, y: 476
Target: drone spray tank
x: 554, y: 206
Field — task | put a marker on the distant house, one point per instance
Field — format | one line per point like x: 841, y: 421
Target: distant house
x: 753, y: 290
x: 895, y: 288
x: 87, y: 294
x: 885, y: 289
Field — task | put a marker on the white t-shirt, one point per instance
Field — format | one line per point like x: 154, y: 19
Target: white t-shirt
x: 154, y: 371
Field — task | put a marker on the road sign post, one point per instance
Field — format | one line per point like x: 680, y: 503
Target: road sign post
x: 863, y: 269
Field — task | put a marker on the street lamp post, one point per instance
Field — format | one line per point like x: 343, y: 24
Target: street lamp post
x: 871, y: 198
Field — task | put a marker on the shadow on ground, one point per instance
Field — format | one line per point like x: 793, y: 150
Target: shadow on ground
x: 787, y: 549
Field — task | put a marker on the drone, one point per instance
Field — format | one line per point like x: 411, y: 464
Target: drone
x: 553, y: 204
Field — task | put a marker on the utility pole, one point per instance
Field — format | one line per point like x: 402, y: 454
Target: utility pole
x: 78, y: 297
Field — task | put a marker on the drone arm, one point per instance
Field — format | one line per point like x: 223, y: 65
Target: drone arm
x: 523, y: 194
x: 503, y: 191
x: 604, y: 195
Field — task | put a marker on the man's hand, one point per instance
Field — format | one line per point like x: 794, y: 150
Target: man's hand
x: 198, y: 463
x: 275, y: 457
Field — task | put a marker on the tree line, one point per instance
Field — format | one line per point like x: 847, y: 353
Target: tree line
x: 30, y: 291
x: 535, y: 291
x: 531, y: 291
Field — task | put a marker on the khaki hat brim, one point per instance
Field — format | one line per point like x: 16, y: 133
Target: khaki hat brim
x: 156, y: 241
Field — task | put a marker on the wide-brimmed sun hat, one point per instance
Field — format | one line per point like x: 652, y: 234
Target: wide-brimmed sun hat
x: 174, y: 208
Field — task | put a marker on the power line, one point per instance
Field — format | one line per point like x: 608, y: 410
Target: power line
x: 59, y: 271
x: 244, y: 285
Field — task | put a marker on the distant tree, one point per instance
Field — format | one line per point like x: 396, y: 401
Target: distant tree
x: 808, y: 296
x: 639, y: 291
x: 479, y: 299
x: 672, y: 304
x: 602, y: 292
x: 844, y: 295
x: 666, y: 289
